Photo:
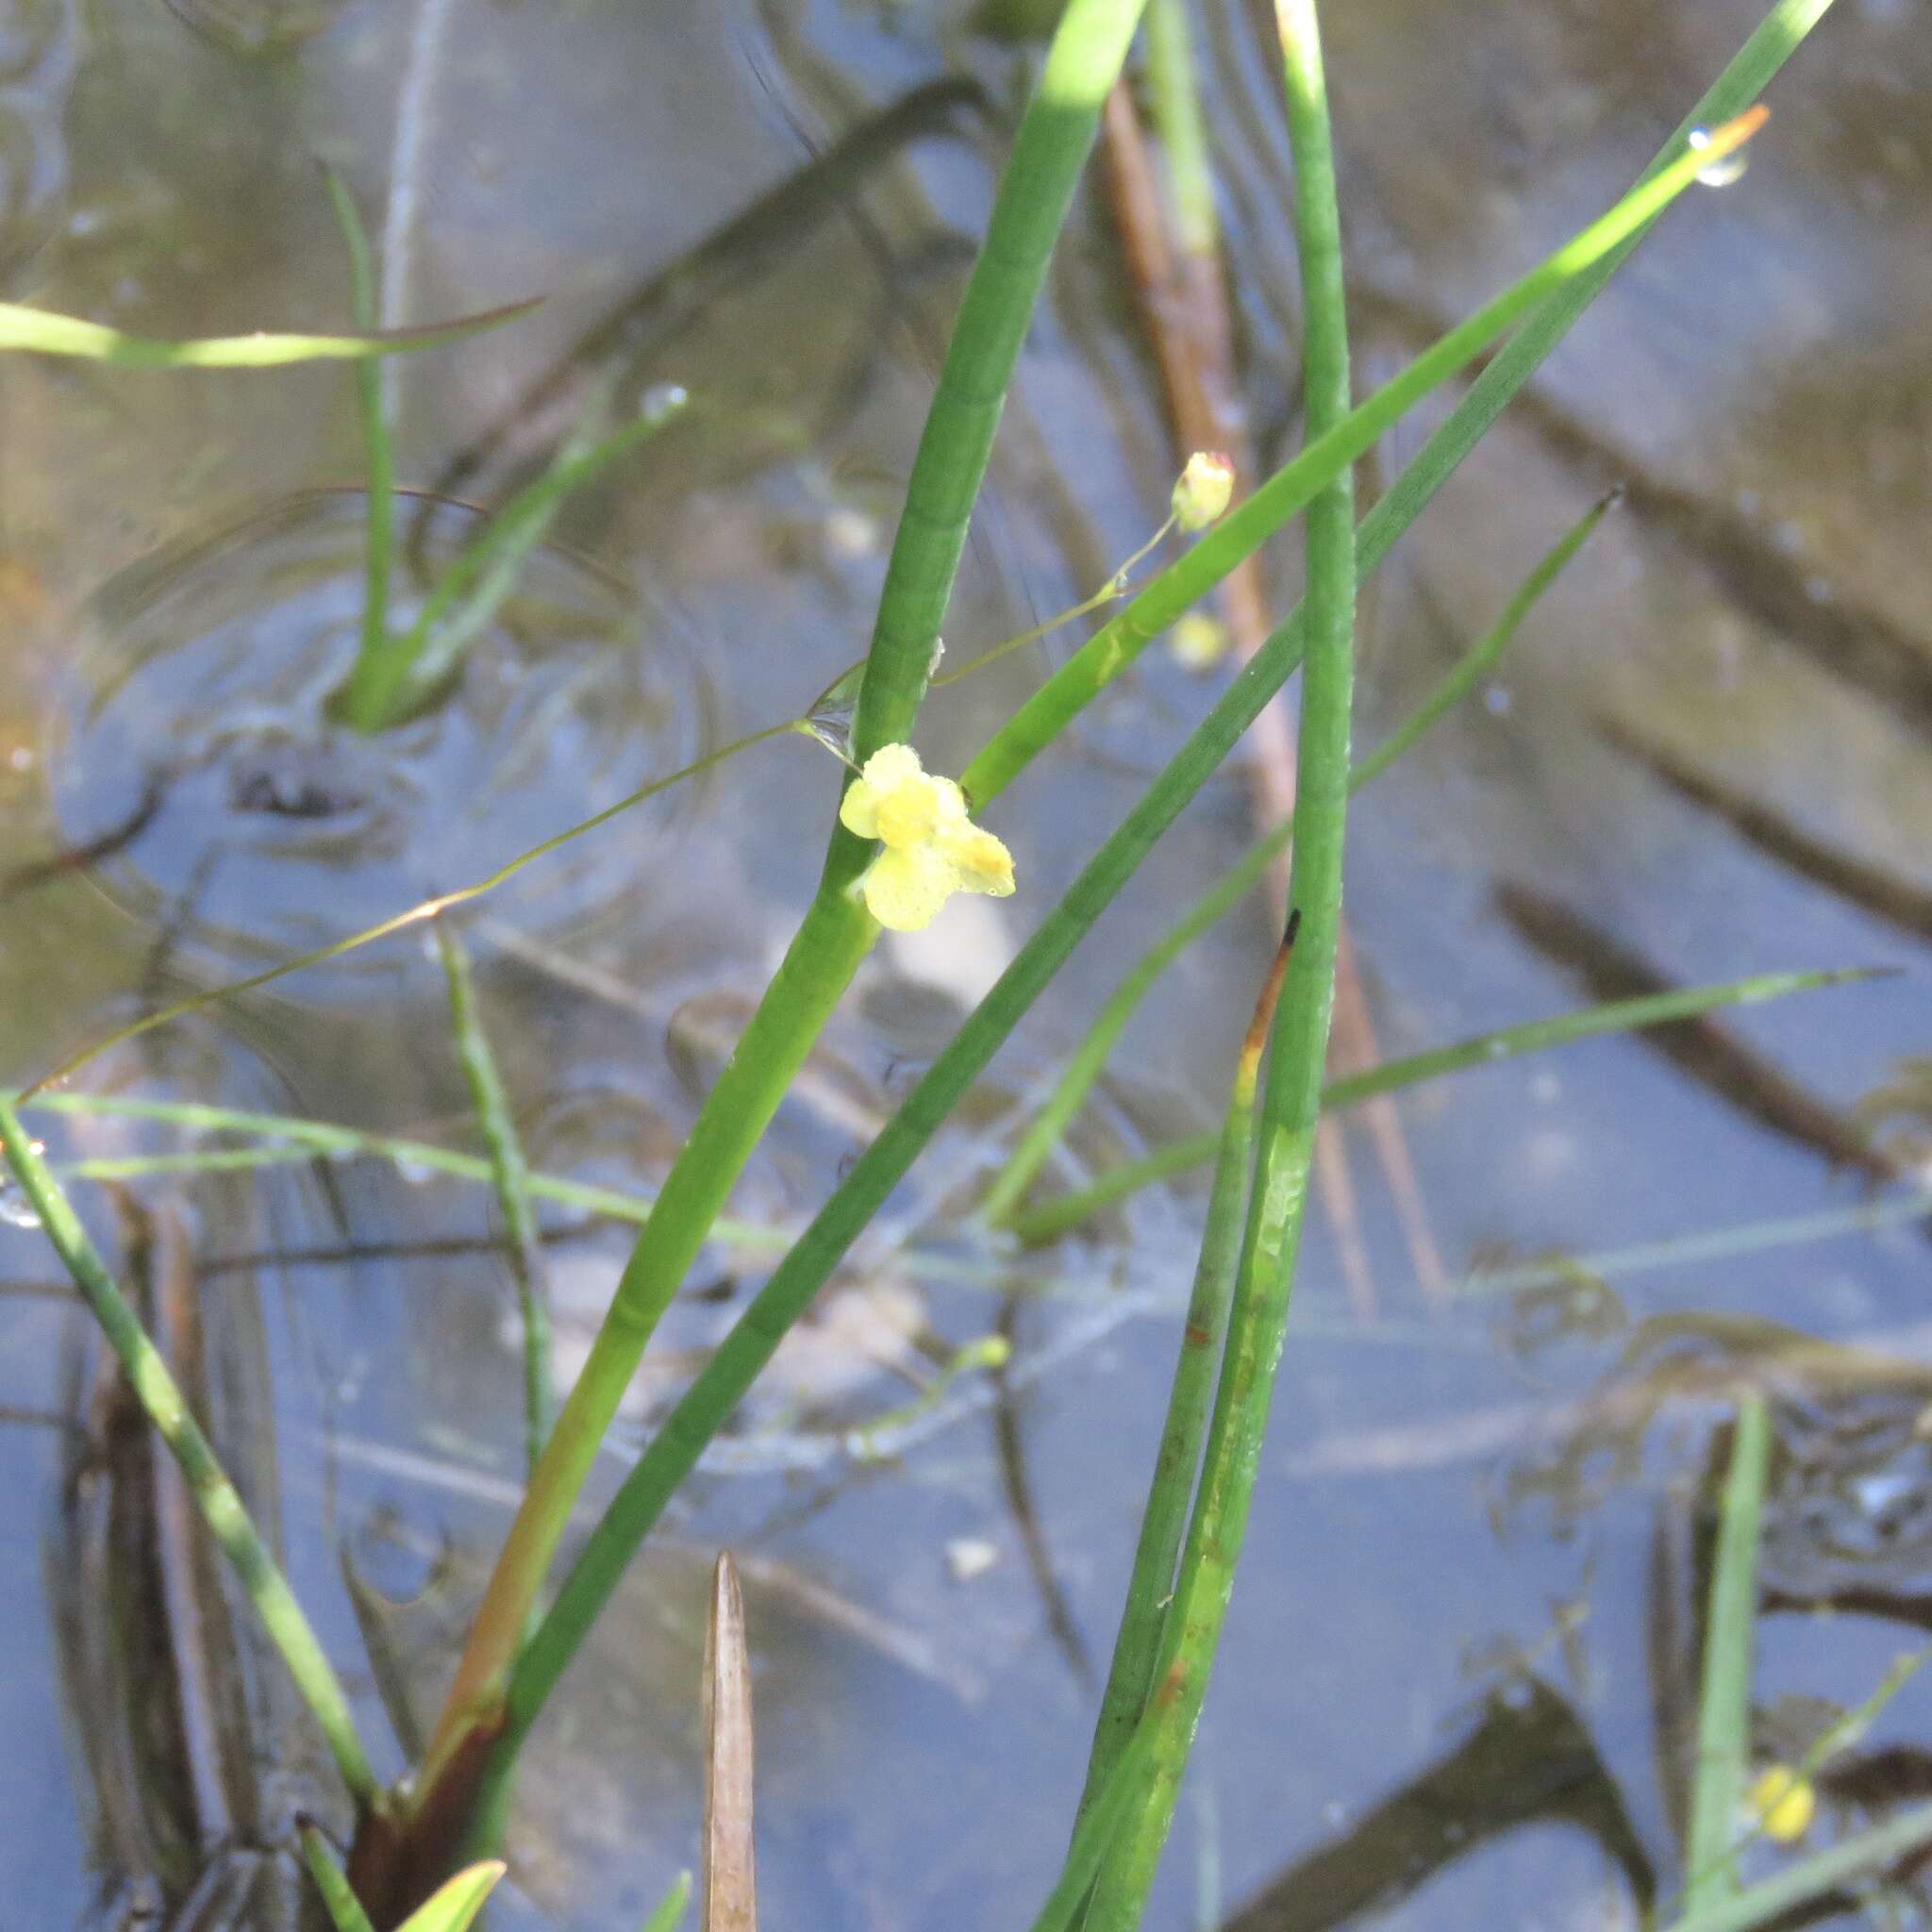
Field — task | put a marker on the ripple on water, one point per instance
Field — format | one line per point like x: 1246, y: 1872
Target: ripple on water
x: 195, y: 753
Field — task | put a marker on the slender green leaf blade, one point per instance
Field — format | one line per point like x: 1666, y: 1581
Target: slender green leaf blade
x: 42, y: 332
x: 1723, y: 1711
x: 452, y: 1907
x: 344, y: 1908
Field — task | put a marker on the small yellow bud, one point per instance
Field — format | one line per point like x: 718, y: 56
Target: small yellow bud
x: 1783, y: 1804
x: 932, y: 849
x: 1204, y: 489
x: 1198, y: 642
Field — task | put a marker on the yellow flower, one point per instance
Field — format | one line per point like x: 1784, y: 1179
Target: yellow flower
x: 1204, y: 489
x: 932, y: 849
x: 1783, y: 1804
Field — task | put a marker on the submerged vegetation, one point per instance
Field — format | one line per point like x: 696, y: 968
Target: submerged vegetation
x: 421, y: 1851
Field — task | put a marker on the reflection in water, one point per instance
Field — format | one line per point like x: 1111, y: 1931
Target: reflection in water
x: 1529, y: 1760
x: 1702, y: 1047
x: 1901, y: 902
x: 195, y: 1762
x: 676, y: 298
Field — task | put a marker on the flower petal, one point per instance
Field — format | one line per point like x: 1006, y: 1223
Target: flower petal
x: 981, y: 862
x: 890, y: 765
x: 904, y: 891
x: 858, y: 810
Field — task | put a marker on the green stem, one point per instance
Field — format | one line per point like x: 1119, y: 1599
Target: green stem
x: 1723, y: 1707
x: 220, y: 1505
x: 1055, y: 1217
x: 1050, y: 148
x: 1291, y: 1097
x: 377, y: 454
x: 1101, y: 1822
x: 1131, y: 1674
x: 511, y: 1174
x: 1049, y: 1126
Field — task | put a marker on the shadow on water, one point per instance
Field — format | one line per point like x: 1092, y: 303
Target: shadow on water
x: 1475, y: 1592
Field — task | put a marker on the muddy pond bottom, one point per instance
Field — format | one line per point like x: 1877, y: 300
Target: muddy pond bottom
x: 196, y: 763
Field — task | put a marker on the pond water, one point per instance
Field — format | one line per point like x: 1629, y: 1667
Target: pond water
x: 1455, y: 1671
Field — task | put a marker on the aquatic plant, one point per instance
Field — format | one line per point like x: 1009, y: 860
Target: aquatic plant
x: 900, y: 842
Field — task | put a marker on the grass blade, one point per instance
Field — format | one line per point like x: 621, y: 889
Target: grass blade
x: 1050, y: 1126
x: 1723, y: 1710
x: 473, y: 590
x: 160, y: 1397
x: 669, y: 1909
x: 41, y: 332
x: 298, y: 1138
x: 1052, y: 1218
x: 453, y: 1907
x: 511, y: 1174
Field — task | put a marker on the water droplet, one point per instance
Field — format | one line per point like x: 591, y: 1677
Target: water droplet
x: 414, y: 1174
x: 1496, y: 701
x: 21, y: 758
x: 833, y: 730
x: 1725, y: 169
x: 663, y: 400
